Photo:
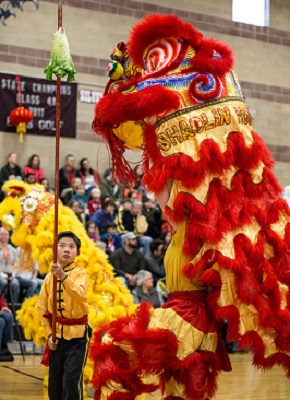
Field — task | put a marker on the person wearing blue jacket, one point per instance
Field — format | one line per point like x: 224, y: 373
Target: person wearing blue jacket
x: 104, y: 215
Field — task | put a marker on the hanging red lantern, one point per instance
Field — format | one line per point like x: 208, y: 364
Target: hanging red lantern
x: 20, y: 117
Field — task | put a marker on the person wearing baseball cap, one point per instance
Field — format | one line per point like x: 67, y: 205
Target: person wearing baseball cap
x: 128, y: 260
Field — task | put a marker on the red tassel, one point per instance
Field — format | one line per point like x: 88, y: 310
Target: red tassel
x: 45, y: 360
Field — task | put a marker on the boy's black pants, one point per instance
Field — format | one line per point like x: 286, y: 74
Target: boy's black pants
x: 65, y: 380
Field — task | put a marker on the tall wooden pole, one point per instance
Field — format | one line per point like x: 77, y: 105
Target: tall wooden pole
x: 56, y: 185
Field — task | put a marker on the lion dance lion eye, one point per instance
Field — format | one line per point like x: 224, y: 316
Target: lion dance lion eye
x: 29, y: 205
x: 160, y: 55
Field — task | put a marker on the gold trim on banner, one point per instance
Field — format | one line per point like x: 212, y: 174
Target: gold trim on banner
x: 197, y: 107
x: 183, y: 131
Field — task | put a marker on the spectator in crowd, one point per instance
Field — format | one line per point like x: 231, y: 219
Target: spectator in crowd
x: 155, y: 260
x: 111, y: 238
x: 139, y: 187
x: 45, y: 183
x: 152, y: 213
x: 81, y: 197
x: 166, y: 237
x: 30, y: 284
x: 66, y: 174
x: 89, y: 176
x: 104, y: 215
x: 11, y: 168
x: 29, y: 178
x: 109, y: 188
x: 140, y: 228
x: 127, y: 261
x: 125, y: 217
x: 33, y: 167
x: 107, y: 172
x: 92, y: 231
x: 8, y: 257
x: 102, y: 246
x: 6, y: 330
x: 107, y: 198
x: 69, y: 193
x: 132, y: 194
x: 145, y: 291
x: 94, y: 203
x: 74, y: 205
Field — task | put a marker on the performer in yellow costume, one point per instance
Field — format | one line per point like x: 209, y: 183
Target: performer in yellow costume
x: 29, y: 211
x: 66, y: 356
x: 173, y: 94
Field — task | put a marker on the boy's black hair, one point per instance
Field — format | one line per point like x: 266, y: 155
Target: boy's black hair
x: 107, y: 203
x: 111, y: 225
x: 70, y: 235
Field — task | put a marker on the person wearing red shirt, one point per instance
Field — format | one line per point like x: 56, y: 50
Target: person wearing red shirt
x: 94, y: 203
x: 66, y: 174
x: 33, y: 167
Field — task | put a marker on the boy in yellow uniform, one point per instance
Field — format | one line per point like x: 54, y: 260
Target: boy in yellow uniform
x: 68, y: 353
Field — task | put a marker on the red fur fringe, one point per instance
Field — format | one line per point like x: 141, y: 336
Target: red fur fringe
x: 253, y: 288
x: 150, y: 102
x: 211, y: 56
x: 205, y: 61
x: 156, y: 27
x: 154, y: 353
x: 116, y: 108
x: 252, y: 341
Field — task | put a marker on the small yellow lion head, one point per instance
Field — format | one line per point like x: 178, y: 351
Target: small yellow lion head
x: 23, y: 207
x: 24, y: 204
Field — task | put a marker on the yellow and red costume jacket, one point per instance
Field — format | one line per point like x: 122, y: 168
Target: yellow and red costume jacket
x: 71, y: 302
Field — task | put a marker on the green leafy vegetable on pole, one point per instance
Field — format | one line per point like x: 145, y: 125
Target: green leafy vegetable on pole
x: 61, y: 63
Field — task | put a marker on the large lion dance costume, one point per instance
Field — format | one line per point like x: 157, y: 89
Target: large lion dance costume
x: 173, y: 94
x: 29, y: 212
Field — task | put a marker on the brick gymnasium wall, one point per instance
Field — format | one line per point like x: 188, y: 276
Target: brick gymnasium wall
x: 94, y: 27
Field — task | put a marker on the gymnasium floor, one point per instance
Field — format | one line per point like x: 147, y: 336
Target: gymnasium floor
x: 23, y: 380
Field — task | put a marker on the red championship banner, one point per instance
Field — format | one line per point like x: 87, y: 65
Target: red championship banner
x: 39, y: 96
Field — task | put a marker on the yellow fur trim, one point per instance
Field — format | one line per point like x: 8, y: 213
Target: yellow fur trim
x: 107, y: 298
